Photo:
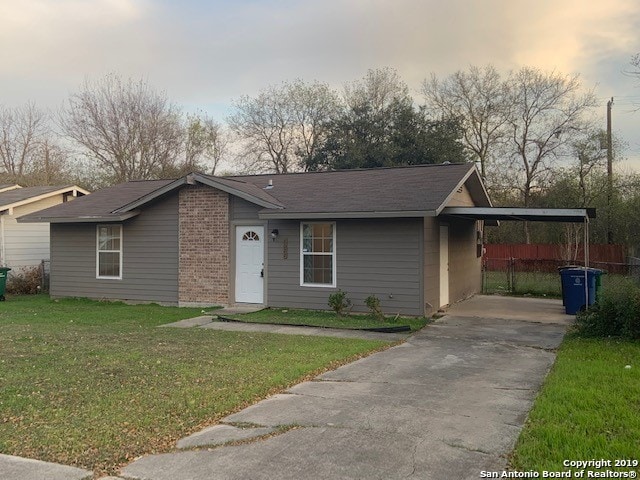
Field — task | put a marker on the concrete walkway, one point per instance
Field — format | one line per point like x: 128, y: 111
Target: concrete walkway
x: 209, y: 322
x: 448, y: 403
x: 18, y: 468
x: 312, y: 331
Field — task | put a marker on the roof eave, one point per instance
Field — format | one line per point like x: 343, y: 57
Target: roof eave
x: 569, y: 215
x: 340, y: 215
x: 80, y: 219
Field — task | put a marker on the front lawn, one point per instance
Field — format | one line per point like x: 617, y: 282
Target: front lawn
x: 587, y: 409
x: 95, y: 384
x: 314, y: 318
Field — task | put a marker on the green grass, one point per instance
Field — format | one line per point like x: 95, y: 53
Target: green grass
x: 540, y: 284
x: 588, y: 407
x: 315, y: 318
x: 526, y: 283
x: 95, y: 384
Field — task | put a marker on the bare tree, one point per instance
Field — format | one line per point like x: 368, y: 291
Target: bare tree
x: 635, y: 64
x: 590, y: 150
x: 479, y: 99
x: 51, y: 166
x: 30, y: 153
x: 206, y: 143
x: 128, y: 128
x: 22, y: 130
x: 281, y: 126
x: 313, y: 107
x: 377, y: 91
x: 548, y: 111
x: 590, y: 174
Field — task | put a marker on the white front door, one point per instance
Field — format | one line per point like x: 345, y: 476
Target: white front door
x: 444, y: 265
x: 250, y: 264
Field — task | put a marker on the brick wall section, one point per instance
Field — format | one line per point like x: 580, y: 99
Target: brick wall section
x: 204, y: 246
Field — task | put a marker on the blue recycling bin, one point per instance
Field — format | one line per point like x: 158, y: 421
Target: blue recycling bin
x: 573, y: 288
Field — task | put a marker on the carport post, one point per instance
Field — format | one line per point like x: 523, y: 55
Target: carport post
x: 586, y: 260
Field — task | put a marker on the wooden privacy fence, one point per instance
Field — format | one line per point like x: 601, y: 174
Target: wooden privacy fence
x: 568, y: 253
x: 548, y: 257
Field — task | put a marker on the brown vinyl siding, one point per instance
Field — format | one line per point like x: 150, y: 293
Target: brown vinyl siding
x: 461, y: 198
x: 431, y: 267
x: 380, y: 257
x: 465, y: 272
x: 150, y: 258
x: 241, y: 210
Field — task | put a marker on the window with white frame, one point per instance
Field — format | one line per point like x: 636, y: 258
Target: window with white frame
x: 109, y: 251
x: 317, y: 254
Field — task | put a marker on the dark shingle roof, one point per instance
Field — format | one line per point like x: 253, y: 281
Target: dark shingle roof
x: 20, y: 194
x: 101, y: 203
x: 417, y: 188
x: 249, y: 188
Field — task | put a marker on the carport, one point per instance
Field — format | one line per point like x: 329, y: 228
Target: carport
x: 493, y: 215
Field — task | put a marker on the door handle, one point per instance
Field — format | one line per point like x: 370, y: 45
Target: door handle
x: 262, y: 273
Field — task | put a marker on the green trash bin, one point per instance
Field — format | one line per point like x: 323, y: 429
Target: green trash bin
x: 3, y: 281
x: 599, y: 283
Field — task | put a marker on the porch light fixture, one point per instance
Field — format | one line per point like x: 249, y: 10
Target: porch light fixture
x: 274, y: 234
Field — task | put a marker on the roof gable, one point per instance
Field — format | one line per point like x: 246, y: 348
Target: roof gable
x: 15, y: 197
x: 243, y: 190
x: 98, y: 206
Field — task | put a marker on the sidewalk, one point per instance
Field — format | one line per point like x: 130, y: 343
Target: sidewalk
x: 18, y: 468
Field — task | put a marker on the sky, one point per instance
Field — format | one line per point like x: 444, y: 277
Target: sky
x: 206, y: 54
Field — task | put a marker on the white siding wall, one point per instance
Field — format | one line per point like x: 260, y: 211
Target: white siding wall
x: 26, y: 244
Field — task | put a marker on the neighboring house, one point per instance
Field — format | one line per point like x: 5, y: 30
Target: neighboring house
x: 25, y: 245
x: 275, y: 240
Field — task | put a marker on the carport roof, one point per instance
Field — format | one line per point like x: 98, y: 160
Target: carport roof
x: 494, y: 214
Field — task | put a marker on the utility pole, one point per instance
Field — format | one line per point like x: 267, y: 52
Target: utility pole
x: 609, y: 172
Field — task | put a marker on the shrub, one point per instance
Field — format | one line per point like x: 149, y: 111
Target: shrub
x: 373, y: 303
x: 339, y: 302
x: 26, y: 281
x: 616, y: 314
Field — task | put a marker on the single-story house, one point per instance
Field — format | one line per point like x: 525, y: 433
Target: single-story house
x: 285, y: 240
x: 26, y: 245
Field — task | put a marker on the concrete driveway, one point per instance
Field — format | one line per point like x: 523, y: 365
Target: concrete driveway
x: 448, y: 403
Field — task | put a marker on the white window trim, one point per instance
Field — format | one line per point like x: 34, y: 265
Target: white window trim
x: 121, y: 252
x: 333, y: 258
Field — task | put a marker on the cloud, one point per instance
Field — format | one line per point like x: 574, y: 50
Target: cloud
x: 47, y: 44
x: 209, y: 52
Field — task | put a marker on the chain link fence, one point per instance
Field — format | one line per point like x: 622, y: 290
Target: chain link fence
x: 29, y: 279
x: 536, y: 277
x: 45, y: 275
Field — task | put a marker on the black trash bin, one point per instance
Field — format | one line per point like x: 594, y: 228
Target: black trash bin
x: 3, y: 281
